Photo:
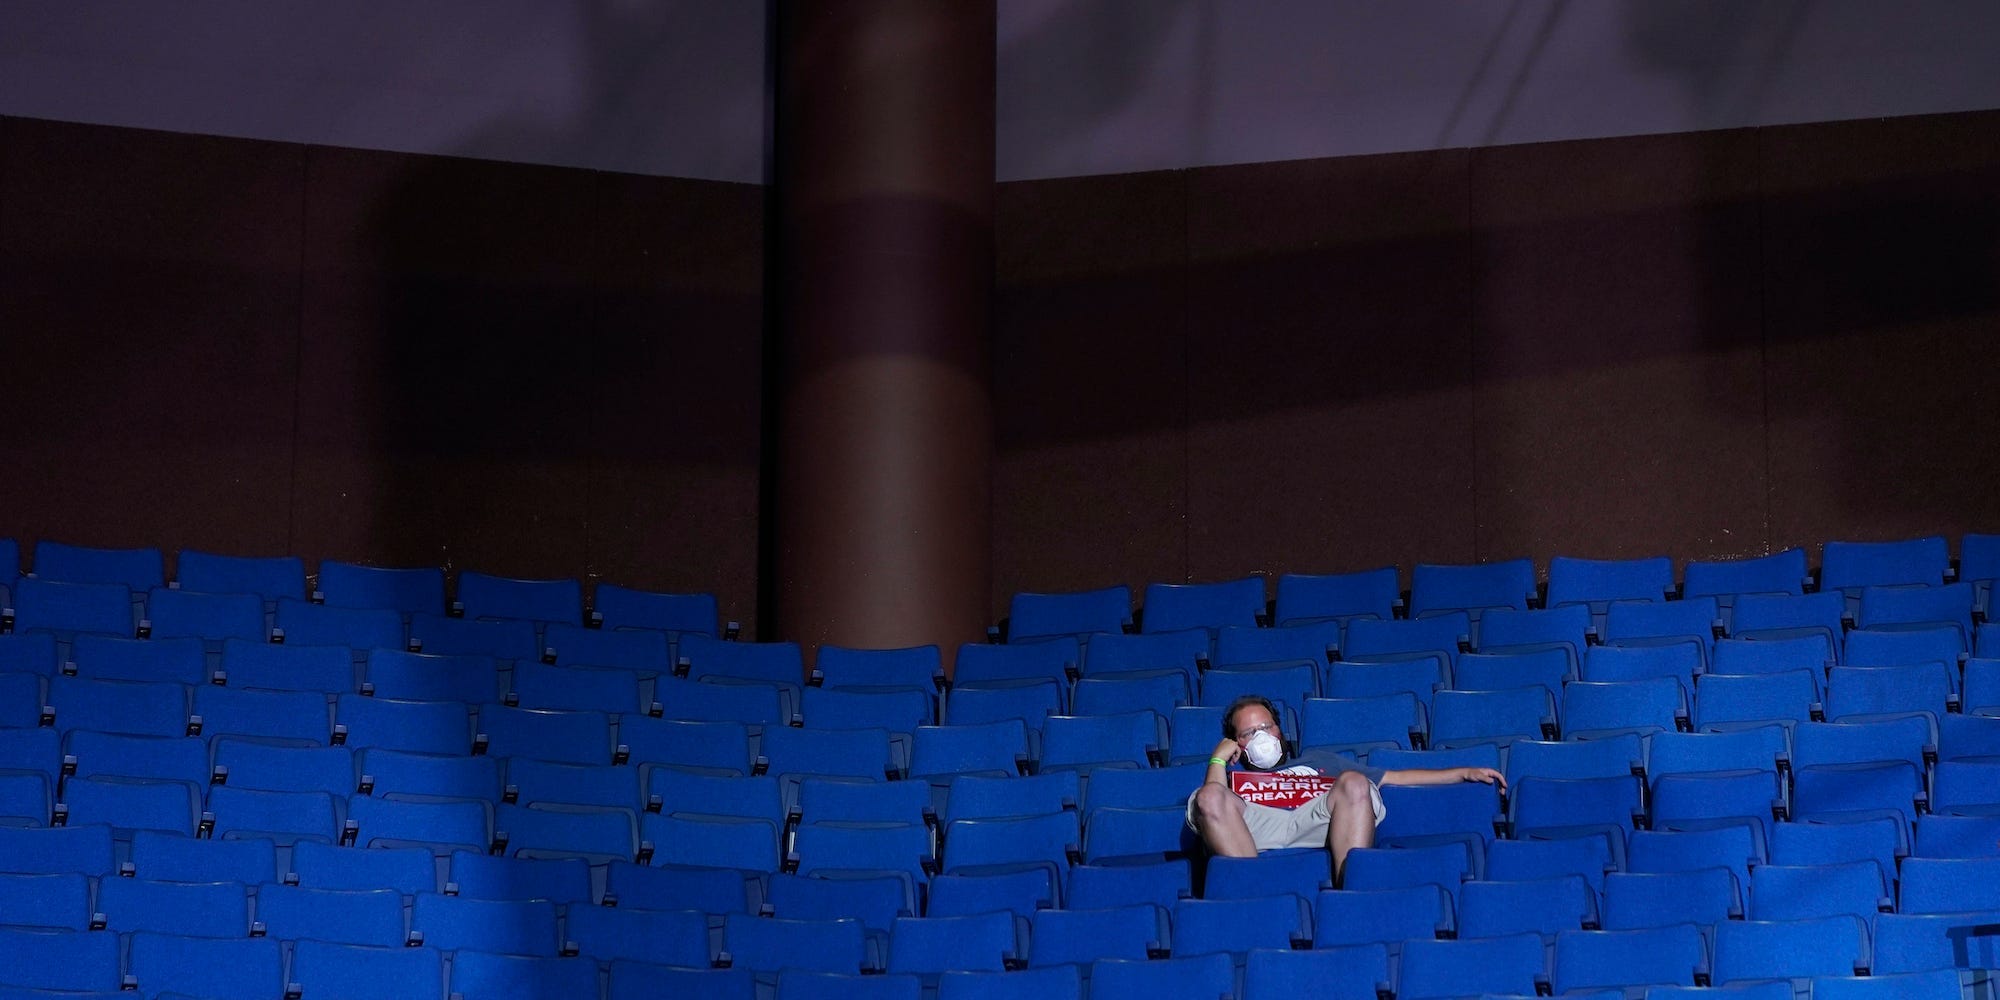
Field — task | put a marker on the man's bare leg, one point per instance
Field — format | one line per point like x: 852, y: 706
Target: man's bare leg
x: 1219, y: 816
x: 1350, y: 822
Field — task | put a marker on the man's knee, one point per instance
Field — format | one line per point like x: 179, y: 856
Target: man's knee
x: 1352, y: 790
x: 1215, y: 802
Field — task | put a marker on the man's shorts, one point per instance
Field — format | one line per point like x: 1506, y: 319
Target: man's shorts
x: 1272, y: 828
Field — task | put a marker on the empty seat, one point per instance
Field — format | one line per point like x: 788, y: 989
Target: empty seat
x: 934, y: 945
x: 1551, y: 668
x: 641, y: 649
x: 1032, y: 617
x: 1506, y: 965
x: 1315, y: 641
x: 753, y: 705
x: 1939, y: 984
x: 1570, y: 806
x: 1966, y: 787
x: 393, y: 673
x: 1880, y: 692
x: 268, y: 577
x: 1588, y: 858
x: 779, y: 664
x: 561, y: 881
x: 1669, y: 955
x: 81, y: 849
x: 915, y: 668
x: 300, y: 623
x: 327, y: 866
x: 502, y: 639
x: 1766, y: 616
x: 987, y: 796
x: 1022, y: 893
x: 1048, y: 843
x: 1594, y: 709
x: 1778, y: 573
x: 511, y: 927
x: 1655, y: 623
x: 1459, y: 718
x: 1173, y: 606
x: 570, y: 737
x: 544, y: 833
x: 322, y: 968
x: 130, y: 707
x: 477, y: 975
x: 1957, y: 836
x: 441, y: 827
x: 1922, y: 942
x: 1445, y: 866
x: 1854, y: 565
x: 1838, y: 843
x: 137, y: 569
x: 1365, y: 594
x: 706, y: 841
x: 1898, y: 608
x: 1471, y: 588
x: 1612, y: 757
x: 1949, y: 885
x: 194, y: 909
x: 437, y: 727
x: 1198, y: 977
x: 1736, y: 847
x: 322, y: 669
x: 988, y: 665
x: 1636, y: 900
x: 284, y: 817
x: 625, y: 607
x: 186, y: 613
x: 1347, y: 917
x: 126, y: 806
x: 776, y: 945
x: 709, y: 890
x: 1078, y: 937
x: 1770, y: 656
x: 1788, y: 892
x: 717, y: 747
x: 68, y: 609
x: 167, y: 858
x: 397, y: 774
x: 1740, y: 701
x: 1180, y: 652
x: 1545, y: 906
x: 1156, y: 883
x: 29, y: 653
x: 1508, y: 630
x: 1773, y: 949
x: 56, y: 901
x: 1349, y: 725
x: 181, y: 759
x: 217, y: 968
x: 406, y: 591
x: 483, y: 595
x: 1085, y: 742
x: 673, y: 937
x: 1680, y: 661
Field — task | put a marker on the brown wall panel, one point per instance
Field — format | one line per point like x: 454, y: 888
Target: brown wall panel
x: 1620, y: 404
x: 1328, y: 388
x: 1089, y: 473
x: 148, y: 287
x: 674, y: 437
x: 1882, y: 269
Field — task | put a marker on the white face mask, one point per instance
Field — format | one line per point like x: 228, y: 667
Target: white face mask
x: 1263, y: 749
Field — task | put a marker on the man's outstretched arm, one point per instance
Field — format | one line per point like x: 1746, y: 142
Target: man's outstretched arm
x: 1444, y: 776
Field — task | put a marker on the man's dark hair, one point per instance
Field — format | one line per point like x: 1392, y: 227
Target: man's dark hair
x: 1229, y: 714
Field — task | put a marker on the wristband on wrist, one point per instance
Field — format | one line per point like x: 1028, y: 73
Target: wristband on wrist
x: 1217, y: 760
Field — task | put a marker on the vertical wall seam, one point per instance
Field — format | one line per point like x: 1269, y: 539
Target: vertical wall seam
x: 1472, y: 344
x: 298, y: 355
x: 1764, y: 334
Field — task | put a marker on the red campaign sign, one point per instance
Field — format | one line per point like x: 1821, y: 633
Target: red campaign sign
x: 1277, y: 789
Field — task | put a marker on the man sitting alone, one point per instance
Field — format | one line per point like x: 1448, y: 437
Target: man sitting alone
x: 1256, y: 799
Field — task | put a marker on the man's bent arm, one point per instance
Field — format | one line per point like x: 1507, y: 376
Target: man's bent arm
x: 1443, y: 776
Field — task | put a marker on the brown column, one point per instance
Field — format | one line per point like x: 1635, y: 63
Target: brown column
x: 883, y: 144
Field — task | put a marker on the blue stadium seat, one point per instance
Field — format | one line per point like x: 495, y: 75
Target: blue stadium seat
x: 1841, y: 792
x: 1289, y: 682
x: 441, y: 827
x: 57, y: 901
x: 1851, y: 566
x: 182, y: 759
x: 61, y: 960
x: 1769, y: 616
x: 1925, y: 942
x: 596, y: 836
x: 1335, y: 597
x: 1776, y: 949
x: 66, y: 610
x: 1048, y: 843
x: 1506, y: 630
x: 914, y: 668
x: 533, y: 782
x: 1157, y: 883
x: 1550, y: 668
x: 478, y: 875
x: 1029, y: 702
x: 1896, y: 608
x: 896, y: 712
x: 25, y: 800
x: 1612, y: 757
x: 1802, y: 892
x: 1061, y: 982
x: 1471, y: 588
x: 775, y: 945
x: 640, y: 649
x: 569, y: 737
x: 22, y: 697
x: 839, y: 986
x: 980, y: 664
x: 1966, y: 787
x: 1671, y: 955
x: 502, y: 639
x: 483, y: 595
x: 757, y: 797
x: 172, y: 613
x: 1033, y: 617
x: 1657, y: 623
x: 434, y: 727
x: 1772, y: 656
x: 876, y: 901
x: 664, y: 937
x: 1638, y: 900
x: 194, y: 909
x: 1595, y: 709
x: 1598, y: 582
x: 1315, y: 641
x: 1348, y: 725
x: 1588, y: 858
x: 1507, y: 965
x: 713, y: 747
x: 81, y: 849
x: 1758, y: 749
x: 1713, y: 798
x: 477, y: 975
x: 754, y: 705
x: 268, y: 577
x: 406, y: 870
x: 1357, y: 971
x: 643, y: 981
x: 1173, y: 606
x: 167, y: 858
x: 159, y: 661
x: 1981, y: 694
x: 1545, y: 906
x: 323, y: 968
x: 322, y: 669
x: 1079, y: 937
x: 1348, y: 917
x: 406, y: 591
x: 139, y: 569
x: 1875, y: 693
x: 1444, y: 865
x: 1181, y: 652
x: 1736, y: 846
x: 1574, y: 806
x: 1236, y: 926
x: 301, y: 623
x: 578, y: 689
x: 1302, y: 872
x: 1022, y: 893
x: 130, y: 707
x: 1460, y: 718
x: 284, y: 817
x: 713, y: 891
x: 1949, y: 885
x: 1084, y: 743
x: 839, y: 850
x: 616, y: 607
x: 1440, y: 637
x: 1781, y: 572
x: 1725, y: 702
x: 1195, y: 729
x: 397, y: 774
x: 995, y: 748
x: 975, y: 796
x: 404, y: 676
x: 1124, y: 835
x: 1939, y: 984
x: 127, y: 806
x: 1200, y: 977
x: 928, y: 946
x: 1158, y: 693
x: 1681, y: 661
x: 778, y: 664
x: 29, y: 653
x: 510, y: 927
x: 212, y: 968
x: 1941, y: 836
x: 711, y: 841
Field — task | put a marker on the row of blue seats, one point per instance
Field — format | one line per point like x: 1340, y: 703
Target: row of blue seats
x: 406, y: 591
x: 1847, y: 567
x: 1569, y: 958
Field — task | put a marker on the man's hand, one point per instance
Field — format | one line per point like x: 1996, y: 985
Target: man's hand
x: 1228, y: 751
x: 1484, y: 775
